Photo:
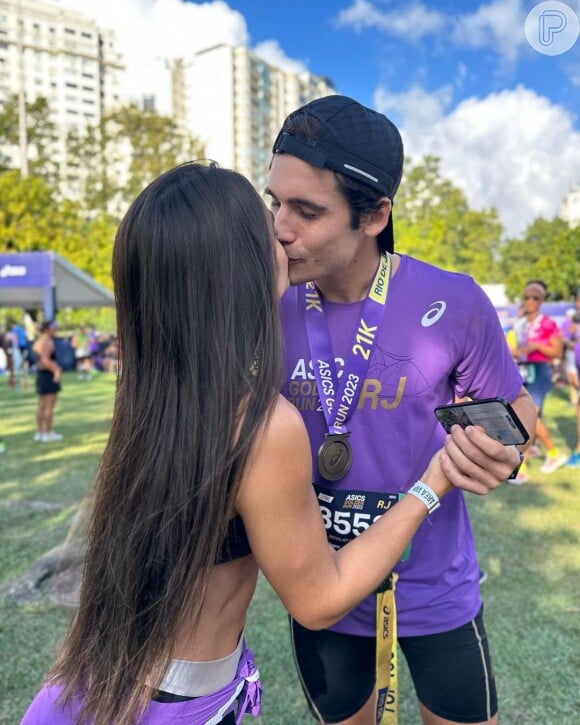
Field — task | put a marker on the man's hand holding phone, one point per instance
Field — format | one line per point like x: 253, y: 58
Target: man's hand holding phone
x: 477, y: 458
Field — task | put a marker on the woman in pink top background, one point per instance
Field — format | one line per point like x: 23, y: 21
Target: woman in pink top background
x: 539, y: 341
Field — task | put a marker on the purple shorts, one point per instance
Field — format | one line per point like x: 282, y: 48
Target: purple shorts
x: 242, y: 695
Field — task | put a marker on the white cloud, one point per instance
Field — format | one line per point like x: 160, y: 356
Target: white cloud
x: 413, y: 22
x: 498, y: 26
x: 150, y: 31
x: 419, y: 109
x: 270, y: 52
x: 514, y: 150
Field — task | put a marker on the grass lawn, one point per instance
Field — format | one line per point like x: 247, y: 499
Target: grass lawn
x: 528, y: 539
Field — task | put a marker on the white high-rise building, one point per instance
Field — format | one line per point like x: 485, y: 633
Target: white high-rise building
x: 234, y: 103
x: 63, y: 56
x: 570, y: 211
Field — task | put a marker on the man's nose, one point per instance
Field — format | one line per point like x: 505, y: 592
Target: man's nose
x: 283, y: 226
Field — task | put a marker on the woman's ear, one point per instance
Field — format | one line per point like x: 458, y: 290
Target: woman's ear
x: 373, y: 222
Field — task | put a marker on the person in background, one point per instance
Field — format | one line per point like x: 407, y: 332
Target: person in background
x: 206, y: 475
x: 6, y: 347
x: 48, y: 383
x: 81, y: 344
x: 571, y: 333
x: 538, y: 342
x: 30, y: 328
x: 374, y: 341
x: 574, y: 460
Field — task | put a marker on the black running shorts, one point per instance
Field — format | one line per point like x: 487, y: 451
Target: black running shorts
x: 451, y: 672
x: 45, y: 384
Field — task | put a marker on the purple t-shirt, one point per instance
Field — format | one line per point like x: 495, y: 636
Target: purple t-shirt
x: 440, y: 337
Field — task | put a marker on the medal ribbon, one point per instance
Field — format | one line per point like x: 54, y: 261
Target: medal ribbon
x: 386, y: 653
x: 345, y: 392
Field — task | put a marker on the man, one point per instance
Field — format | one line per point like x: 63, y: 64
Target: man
x: 373, y: 346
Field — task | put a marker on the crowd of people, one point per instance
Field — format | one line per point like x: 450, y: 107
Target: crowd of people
x: 30, y: 349
x: 292, y: 412
x: 541, y: 348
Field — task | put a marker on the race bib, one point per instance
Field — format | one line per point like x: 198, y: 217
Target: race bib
x: 347, y: 514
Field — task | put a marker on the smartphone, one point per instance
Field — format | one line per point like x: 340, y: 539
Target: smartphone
x: 494, y: 415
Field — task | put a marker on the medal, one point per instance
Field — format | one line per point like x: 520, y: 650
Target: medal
x: 339, y: 394
x: 335, y: 456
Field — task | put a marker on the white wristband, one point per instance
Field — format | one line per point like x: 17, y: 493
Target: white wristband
x: 425, y: 494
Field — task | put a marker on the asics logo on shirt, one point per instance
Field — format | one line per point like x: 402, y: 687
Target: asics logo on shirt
x: 435, y: 313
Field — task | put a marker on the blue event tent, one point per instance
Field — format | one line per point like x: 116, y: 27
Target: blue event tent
x: 46, y: 281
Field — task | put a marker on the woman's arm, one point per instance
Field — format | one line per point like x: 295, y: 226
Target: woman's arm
x: 553, y: 348
x: 317, y: 584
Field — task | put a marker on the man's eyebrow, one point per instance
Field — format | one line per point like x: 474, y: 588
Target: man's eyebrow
x: 299, y: 201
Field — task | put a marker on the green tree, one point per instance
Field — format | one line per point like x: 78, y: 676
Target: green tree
x: 549, y: 250
x: 434, y: 222
x: 129, y: 148
x: 91, y: 160
x: 89, y: 246
x: 31, y: 217
x: 157, y: 144
x: 41, y: 136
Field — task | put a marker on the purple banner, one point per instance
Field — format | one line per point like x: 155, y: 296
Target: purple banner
x: 26, y: 269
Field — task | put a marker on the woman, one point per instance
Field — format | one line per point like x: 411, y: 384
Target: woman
x: 538, y: 343
x: 206, y: 476
x: 47, y: 382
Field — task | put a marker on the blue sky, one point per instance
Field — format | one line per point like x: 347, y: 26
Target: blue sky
x: 365, y: 45
x: 459, y: 78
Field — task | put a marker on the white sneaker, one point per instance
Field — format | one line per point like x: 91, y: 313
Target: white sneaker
x: 52, y: 436
x: 552, y: 463
x: 38, y: 437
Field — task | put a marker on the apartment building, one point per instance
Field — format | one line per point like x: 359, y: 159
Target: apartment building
x: 63, y: 56
x: 570, y: 211
x: 234, y: 103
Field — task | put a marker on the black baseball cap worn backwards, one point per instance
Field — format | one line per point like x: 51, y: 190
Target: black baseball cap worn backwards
x: 353, y: 140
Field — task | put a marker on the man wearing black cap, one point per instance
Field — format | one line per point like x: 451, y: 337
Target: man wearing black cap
x: 374, y: 342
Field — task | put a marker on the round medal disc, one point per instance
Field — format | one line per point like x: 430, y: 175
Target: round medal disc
x: 335, y: 456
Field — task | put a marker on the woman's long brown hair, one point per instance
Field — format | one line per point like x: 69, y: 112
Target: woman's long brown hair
x: 195, y: 288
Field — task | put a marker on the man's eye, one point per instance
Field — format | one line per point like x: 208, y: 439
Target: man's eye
x: 306, y: 214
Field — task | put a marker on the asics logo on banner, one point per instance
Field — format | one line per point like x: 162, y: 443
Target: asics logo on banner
x: 435, y: 313
x: 10, y: 270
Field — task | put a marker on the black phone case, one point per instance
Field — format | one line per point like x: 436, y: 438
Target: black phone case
x: 495, y: 415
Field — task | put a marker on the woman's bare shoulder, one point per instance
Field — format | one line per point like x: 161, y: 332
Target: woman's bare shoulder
x: 281, y: 450
x: 285, y: 427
